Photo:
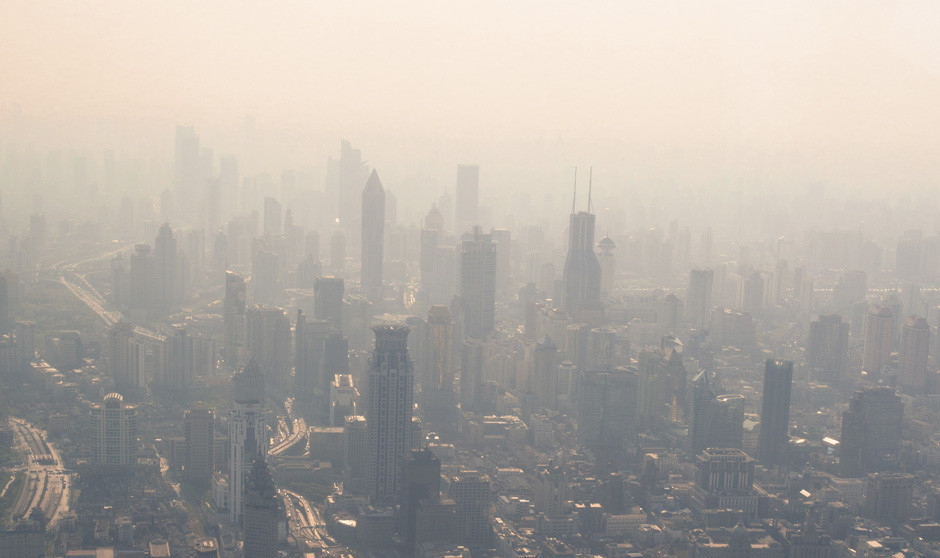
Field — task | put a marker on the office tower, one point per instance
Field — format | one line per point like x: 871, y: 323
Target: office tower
x: 121, y: 366
x: 700, y: 297
x: 422, y: 481
x: 272, y: 216
x: 429, y: 239
x: 168, y: 273
x: 328, y: 301
x: 233, y: 319
x: 662, y: 383
x: 335, y: 358
x: 879, y: 334
x: 389, y: 412
x: 438, y: 368
x: 344, y: 180
x: 471, y: 492
x: 754, y: 288
x: 199, y: 429
x: 551, y: 490
x: 503, y: 240
x: 309, y: 347
x: 468, y: 193
x: 179, y: 359
x: 186, y: 168
x: 472, y: 357
x: 871, y: 432
x: 915, y: 348
x: 828, y: 348
x: 25, y: 343
x: 699, y: 413
x: 246, y: 434
x: 724, y: 480
x: 262, y: 511
x: 582, y: 275
x: 114, y: 432
x: 477, y: 283
x: 141, y: 282
x: 608, y: 263
x: 264, y: 273
x: 356, y: 479
x: 775, y: 411
x: 889, y: 497
x: 338, y: 254
x: 269, y: 340
x: 545, y: 373
x: 607, y: 412
x: 373, y: 238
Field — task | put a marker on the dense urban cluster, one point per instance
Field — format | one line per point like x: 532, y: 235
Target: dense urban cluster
x: 251, y: 367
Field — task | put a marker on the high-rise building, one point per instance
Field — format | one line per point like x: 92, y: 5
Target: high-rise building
x: 879, y: 334
x: 169, y: 276
x: 471, y: 492
x: 545, y: 373
x: 828, y: 348
x: 328, y: 301
x: 268, y: 333
x: 551, y: 490
x: 608, y: 263
x: 309, y: 347
x: 389, y: 412
x: 468, y: 194
x: 125, y: 369
x: 472, y: 356
x: 199, y: 429
x: 338, y: 254
x: 503, y: 240
x: 356, y: 479
x: 114, y: 432
x: 871, y: 432
x: 477, y: 283
x: 775, y: 411
x: 915, y: 349
x: 233, y: 319
x: 607, y: 412
x: 700, y: 297
x: 422, y: 481
x: 582, y: 275
x: 373, y: 238
x: 272, y: 216
x: 262, y: 512
x: 246, y: 434
x: 889, y: 497
x: 724, y: 480
x: 344, y: 180
x: 180, y: 358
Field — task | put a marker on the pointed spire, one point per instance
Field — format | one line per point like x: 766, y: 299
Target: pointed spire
x: 575, y: 197
x: 374, y: 183
x: 590, y: 183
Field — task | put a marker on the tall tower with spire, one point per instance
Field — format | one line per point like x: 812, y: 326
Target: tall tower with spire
x: 582, y: 275
x: 373, y: 237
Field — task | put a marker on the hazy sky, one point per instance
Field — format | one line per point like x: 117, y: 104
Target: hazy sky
x: 845, y: 90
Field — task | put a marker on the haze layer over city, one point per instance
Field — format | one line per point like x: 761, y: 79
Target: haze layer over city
x: 488, y: 279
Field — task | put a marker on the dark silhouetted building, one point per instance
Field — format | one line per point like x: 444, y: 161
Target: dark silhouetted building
x: 262, y: 510
x: 827, y: 351
x: 871, y: 432
x: 373, y: 238
x: 775, y: 411
x: 477, y: 283
x: 912, y: 358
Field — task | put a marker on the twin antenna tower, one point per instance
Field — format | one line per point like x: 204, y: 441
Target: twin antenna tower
x: 575, y: 198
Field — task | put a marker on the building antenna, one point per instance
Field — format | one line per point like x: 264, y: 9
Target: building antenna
x: 575, y: 196
x: 590, y: 180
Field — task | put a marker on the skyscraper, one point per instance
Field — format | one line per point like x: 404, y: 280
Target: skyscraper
x: 114, y: 432
x: 199, y: 429
x: 468, y: 193
x: 180, y: 358
x: 328, y: 301
x: 356, y: 478
x: 233, y: 319
x: 700, y: 296
x: 608, y: 263
x: 775, y: 411
x: 471, y: 492
x: 503, y: 240
x: 915, y: 349
x: 246, y: 435
x: 879, y: 334
x: 262, y: 507
x: 268, y: 334
x: 373, y: 237
x: 545, y: 373
x: 477, y: 283
x: 422, y: 481
x: 582, y: 275
x: 169, y: 279
x: 871, y: 432
x: 828, y: 347
x: 389, y: 412
x: 121, y: 364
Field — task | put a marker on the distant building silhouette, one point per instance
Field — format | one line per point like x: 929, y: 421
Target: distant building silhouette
x: 879, y: 336
x: 871, y: 432
x: 775, y: 411
x: 915, y: 350
x: 477, y: 283
x: 373, y: 238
